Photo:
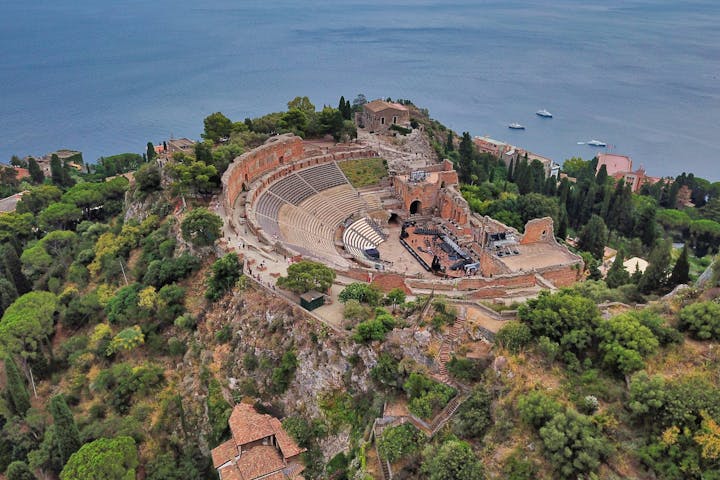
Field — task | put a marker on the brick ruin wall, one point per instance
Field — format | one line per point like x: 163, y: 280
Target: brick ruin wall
x: 282, y: 155
x: 255, y: 170
x: 246, y: 168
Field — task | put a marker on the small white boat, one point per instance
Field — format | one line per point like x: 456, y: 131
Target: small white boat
x: 516, y: 126
x: 543, y: 113
x: 596, y: 143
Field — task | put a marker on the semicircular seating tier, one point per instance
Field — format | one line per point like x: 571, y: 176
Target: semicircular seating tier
x: 361, y: 236
x: 305, y: 208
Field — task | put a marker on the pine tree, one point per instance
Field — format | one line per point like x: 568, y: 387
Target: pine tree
x: 8, y: 294
x: 66, y: 431
x: 617, y: 275
x: 12, y: 268
x: 681, y: 271
x: 17, y: 392
x: 35, y: 171
x: 19, y: 471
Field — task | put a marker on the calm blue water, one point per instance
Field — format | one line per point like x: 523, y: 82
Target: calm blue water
x: 105, y: 77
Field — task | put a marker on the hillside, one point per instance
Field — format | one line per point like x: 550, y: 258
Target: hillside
x: 129, y: 329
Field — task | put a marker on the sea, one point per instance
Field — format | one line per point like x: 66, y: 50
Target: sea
x: 106, y: 77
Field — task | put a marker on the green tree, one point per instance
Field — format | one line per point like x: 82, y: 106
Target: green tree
x: 17, y: 392
x: 681, y: 271
x: 303, y: 104
x: 151, y: 154
x: 398, y: 442
x: 625, y: 342
x: 67, y: 434
x: 362, y: 292
x: 59, y: 216
x: 27, y: 325
x: 36, y: 173
x: 514, y: 336
x: 148, y: 178
x: 563, y: 317
x: 593, y: 237
x: 217, y: 126
x: 473, y: 417
x: 617, y: 275
x: 572, y: 444
x: 8, y: 294
x: 655, y: 277
x: 395, y: 297
x: 15, y: 227
x: 702, y: 320
x: 38, y: 198
x: 226, y: 271
x: 56, y: 171
x: 453, y: 460
x: 19, y: 471
x: 449, y: 144
x: 306, y: 275
x: 106, y: 458
x: 201, y: 227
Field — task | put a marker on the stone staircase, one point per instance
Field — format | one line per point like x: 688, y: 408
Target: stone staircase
x: 385, y: 472
x: 443, y: 417
x: 448, y: 346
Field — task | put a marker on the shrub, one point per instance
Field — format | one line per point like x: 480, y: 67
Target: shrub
x: 473, y: 417
x: 513, y: 336
x: 426, y: 396
x: 225, y: 273
x: 362, y: 292
x: 465, y: 369
x: 702, y: 320
x: 283, y: 375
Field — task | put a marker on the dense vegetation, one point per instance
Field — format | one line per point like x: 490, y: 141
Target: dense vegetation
x: 115, y: 314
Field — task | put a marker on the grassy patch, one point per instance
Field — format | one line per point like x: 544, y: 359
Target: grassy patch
x: 364, y: 171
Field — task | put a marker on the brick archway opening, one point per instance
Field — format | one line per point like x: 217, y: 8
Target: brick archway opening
x: 415, y: 207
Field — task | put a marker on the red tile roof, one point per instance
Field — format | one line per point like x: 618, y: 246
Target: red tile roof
x: 230, y: 472
x: 247, y: 425
x: 287, y: 445
x: 380, y: 105
x: 258, y: 461
x: 223, y: 453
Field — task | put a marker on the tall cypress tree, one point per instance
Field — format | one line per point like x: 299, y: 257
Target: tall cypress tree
x: 56, y: 170
x: 17, y: 391
x: 656, y: 274
x: 681, y: 270
x: 151, y: 154
x: 510, y: 172
x: 617, y: 275
x: 449, y: 145
x: 35, y: 171
x: 67, y: 434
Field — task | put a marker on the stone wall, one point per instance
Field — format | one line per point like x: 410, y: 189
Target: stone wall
x: 246, y: 168
x: 539, y: 230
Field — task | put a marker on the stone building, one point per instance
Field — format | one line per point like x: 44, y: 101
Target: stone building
x: 259, y: 448
x: 379, y: 115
